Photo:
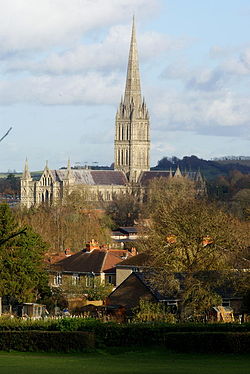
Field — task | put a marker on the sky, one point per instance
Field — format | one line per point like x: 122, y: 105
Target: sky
x: 63, y: 69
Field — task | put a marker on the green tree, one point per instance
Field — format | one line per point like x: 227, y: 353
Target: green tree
x: 21, y: 260
x: 190, y: 236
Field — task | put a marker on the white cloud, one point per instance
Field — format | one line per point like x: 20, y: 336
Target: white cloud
x: 92, y: 88
x: 109, y: 54
x: 190, y: 111
x: 29, y: 24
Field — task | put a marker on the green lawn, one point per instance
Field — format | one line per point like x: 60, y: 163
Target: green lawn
x: 104, y: 362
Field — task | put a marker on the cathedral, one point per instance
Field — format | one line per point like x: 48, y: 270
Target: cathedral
x: 131, y: 154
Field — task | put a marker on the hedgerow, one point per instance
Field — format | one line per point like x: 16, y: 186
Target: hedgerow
x: 88, y: 324
x: 47, y: 341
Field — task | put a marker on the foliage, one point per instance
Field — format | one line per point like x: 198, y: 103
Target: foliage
x: 188, y: 235
x: 95, y: 325
x: 197, y: 299
x: 210, y: 169
x: 122, y: 336
x: 124, y: 209
x: 96, y: 289
x: 70, y: 224
x: 21, y: 260
x: 46, y: 341
x: 52, y: 297
x: 10, y: 185
x: 148, y: 311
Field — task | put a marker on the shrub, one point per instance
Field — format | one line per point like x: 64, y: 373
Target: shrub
x: 53, y: 341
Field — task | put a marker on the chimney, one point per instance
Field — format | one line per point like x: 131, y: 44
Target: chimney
x: 92, y: 244
x: 133, y: 251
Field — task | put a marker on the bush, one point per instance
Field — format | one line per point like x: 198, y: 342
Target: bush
x: 90, y: 324
x: 54, y: 341
x: 208, y: 342
x: 78, y: 334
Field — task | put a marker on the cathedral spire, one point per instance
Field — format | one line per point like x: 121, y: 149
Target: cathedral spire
x: 69, y: 171
x: 26, y: 172
x: 133, y: 86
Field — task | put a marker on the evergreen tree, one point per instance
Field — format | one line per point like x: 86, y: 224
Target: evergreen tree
x: 21, y: 260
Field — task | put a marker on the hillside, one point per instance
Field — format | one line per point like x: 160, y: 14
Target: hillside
x: 210, y: 169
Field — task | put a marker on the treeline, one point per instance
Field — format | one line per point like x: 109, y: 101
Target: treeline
x: 210, y: 169
x: 70, y: 224
x: 10, y: 185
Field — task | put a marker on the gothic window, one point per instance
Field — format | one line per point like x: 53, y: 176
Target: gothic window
x: 121, y: 156
x: 127, y: 163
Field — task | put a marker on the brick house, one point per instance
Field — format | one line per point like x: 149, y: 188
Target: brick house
x: 94, y: 261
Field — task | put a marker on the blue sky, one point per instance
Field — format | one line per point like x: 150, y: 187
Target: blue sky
x: 63, y: 68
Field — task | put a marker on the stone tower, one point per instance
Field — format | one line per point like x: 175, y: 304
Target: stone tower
x: 132, y: 139
x: 27, y: 187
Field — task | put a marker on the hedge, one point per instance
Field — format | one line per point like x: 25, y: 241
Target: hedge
x: 46, y: 341
x: 88, y: 324
x: 76, y: 341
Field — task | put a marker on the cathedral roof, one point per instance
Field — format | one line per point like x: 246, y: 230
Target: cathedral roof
x: 92, y: 177
x: 147, y: 176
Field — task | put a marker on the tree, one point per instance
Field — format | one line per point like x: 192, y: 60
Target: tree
x: 96, y: 290
x: 190, y: 236
x: 21, y: 260
x: 124, y: 209
x: 70, y: 224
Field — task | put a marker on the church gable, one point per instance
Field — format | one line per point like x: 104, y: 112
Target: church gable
x: 47, y: 178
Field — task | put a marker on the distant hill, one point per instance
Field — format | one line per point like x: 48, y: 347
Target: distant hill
x: 210, y: 169
x: 234, y: 162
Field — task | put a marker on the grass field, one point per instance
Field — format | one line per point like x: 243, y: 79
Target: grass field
x: 109, y: 362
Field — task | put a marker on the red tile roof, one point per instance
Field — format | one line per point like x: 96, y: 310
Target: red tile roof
x: 94, y: 261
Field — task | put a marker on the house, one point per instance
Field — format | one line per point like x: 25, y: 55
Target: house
x: 133, y: 284
x: 132, y: 264
x: 93, y: 262
x: 134, y: 288
x: 125, y: 237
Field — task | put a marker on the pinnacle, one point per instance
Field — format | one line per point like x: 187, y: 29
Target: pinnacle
x: 133, y: 86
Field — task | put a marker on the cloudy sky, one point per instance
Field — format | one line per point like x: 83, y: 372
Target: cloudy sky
x: 63, y: 68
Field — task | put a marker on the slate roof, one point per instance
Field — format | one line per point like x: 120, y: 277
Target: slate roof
x: 131, y: 290
x: 139, y: 260
x: 92, y: 177
x: 128, y: 229
x: 147, y: 176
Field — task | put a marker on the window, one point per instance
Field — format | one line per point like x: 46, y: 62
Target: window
x: 135, y: 270
x: 75, y: 279
x: 88, y: 280
x: 58, y: 279
x: 110, y: 279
